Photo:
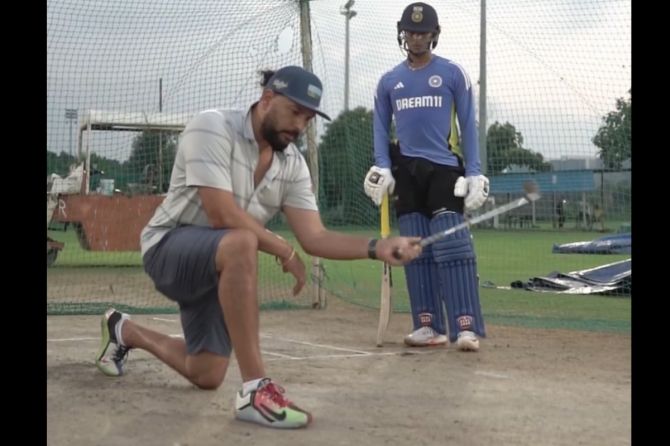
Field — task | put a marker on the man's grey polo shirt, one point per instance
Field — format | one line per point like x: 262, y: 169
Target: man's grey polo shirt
x: 217, y: 149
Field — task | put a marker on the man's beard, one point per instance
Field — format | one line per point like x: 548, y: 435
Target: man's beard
x: 271, y: 135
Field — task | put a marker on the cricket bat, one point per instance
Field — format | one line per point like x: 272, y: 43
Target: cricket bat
x: 385, y: 305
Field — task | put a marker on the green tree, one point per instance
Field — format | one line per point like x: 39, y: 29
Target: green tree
x: 614, y: 136
x: 143, y: 163
x: 504, y: 145
x: 101, y: 164
x: 59, y: 163
x: 102, y: 167
x: 345, y: 155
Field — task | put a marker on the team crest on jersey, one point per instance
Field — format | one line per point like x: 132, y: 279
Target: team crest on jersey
x: 435, y: 81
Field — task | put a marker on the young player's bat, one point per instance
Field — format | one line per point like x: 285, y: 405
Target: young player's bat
x: 387, y: 284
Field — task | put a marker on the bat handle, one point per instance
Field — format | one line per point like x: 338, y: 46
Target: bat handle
x: 423, y: 242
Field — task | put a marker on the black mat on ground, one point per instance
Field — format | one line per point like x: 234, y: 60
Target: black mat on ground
x: 612, y: 279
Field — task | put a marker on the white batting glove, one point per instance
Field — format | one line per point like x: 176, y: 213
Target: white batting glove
x: 475, y: 189
x: 461, y: 187
x: 378, y: 181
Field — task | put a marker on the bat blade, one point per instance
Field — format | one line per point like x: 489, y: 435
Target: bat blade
x: 385, y: 305
x: 386, y: 283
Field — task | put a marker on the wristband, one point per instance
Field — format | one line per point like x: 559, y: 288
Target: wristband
x: 372, y: 248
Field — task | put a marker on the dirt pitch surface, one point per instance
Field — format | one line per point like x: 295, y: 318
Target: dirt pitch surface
x: 524, y: 387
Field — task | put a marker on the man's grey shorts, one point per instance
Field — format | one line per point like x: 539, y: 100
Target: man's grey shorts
x: 183, y: 267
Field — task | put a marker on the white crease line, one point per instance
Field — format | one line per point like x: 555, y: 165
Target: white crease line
x: 349, y: 356
x: 72, y: 339
x: 281, y: 355
x: 369, y: 355
x: 354, y: 354
x: 96, y: 339
x: 491, y: 374
x: 331, y: 347
x: 164, y: 320
x: 360, y: 352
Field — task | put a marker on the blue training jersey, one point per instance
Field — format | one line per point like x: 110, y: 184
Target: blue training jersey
x: 421, y: 102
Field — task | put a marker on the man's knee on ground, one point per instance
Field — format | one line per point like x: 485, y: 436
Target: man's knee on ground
x: 211, y: 380
x: 208, y: 375
x: 206, y: 370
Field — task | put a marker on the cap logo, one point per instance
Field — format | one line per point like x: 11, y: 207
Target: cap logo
x: 314, y: 92
x: 417, y: 14
x: 279, y: 84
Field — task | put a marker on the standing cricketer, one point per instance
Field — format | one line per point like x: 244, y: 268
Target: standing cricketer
x: 436, y: 176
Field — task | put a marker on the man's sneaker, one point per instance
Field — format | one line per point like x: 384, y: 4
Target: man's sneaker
x: 467, y: 341
x: 112, y: 355
x: 267, y: 406
x: 425, y: 336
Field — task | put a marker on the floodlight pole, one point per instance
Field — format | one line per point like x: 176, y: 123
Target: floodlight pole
x: 348, y: 14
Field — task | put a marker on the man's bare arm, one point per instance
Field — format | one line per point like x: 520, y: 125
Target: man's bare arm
x: 223, y: 212
x: 318, y: 241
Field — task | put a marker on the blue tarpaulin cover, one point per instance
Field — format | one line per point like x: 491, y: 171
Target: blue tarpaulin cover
x: 611, y: 244
x: 613, y: 278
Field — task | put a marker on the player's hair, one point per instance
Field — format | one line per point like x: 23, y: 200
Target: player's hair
x: 265, y: 76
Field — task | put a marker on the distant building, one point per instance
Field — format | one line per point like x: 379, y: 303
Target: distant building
x: 515, y: 168
x: 566, y: 163
x: 576, y: 163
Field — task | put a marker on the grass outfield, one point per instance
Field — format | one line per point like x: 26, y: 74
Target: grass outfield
x: 502, y: 256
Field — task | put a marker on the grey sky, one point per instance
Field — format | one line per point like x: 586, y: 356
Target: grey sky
x: 554, y: 67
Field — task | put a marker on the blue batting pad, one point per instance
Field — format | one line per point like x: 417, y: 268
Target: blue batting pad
x: 457, y: 272
x: 421, y: 276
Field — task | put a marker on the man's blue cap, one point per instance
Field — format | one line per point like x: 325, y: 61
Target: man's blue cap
x: 300, y: 86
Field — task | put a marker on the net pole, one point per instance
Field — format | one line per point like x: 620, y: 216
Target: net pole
x: 483, y: 154
x: 306, y: 48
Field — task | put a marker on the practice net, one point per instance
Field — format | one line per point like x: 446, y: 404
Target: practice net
x: 124, y: 77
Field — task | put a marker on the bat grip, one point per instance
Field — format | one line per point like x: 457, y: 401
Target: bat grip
x: 422, y: 243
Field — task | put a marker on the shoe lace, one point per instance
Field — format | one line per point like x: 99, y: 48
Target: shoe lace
x: 276, y: 393
x: 121, y: 353
x: 428, y: 331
